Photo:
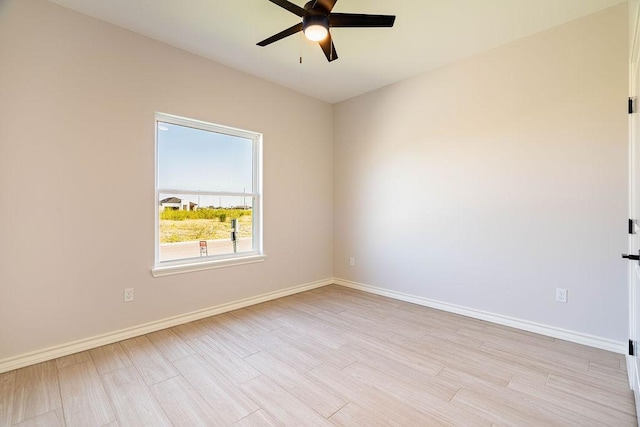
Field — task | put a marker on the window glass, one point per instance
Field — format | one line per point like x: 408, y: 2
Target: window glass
x: 196, y: 159
x: 208, y: 206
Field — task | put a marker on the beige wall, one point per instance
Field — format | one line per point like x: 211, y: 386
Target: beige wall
x: 77, y: 104
x: 490, y: 182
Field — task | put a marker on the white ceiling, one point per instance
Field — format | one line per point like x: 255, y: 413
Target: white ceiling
x: 427, y: 34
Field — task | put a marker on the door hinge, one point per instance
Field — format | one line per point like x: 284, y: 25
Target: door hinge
x: 632, y: 226
x: 631, y: 106
x: 632, y: 348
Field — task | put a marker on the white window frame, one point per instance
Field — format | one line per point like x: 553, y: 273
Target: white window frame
x: 163, y: 268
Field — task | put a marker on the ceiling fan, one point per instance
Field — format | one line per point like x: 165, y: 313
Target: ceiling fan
x: 317, y: 18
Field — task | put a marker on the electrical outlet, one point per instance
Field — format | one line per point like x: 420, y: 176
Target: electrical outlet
x: 561, y: 295
x: 352, y: 261
x: 128, y: 295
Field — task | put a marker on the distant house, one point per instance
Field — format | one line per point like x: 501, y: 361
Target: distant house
x: 177, y: 205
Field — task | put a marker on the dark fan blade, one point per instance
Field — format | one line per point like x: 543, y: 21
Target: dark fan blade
x: 328, y: 48
x: 360, y: 20
x: 281, y: 35
x: 326, y: 5
x: 293, y: 8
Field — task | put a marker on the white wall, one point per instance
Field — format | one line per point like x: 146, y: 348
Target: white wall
x: 490, y: 182
x: 77, y: 104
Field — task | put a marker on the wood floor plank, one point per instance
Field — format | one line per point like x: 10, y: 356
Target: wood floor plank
x: 353, y: 415
x: 84, y: 398
x: 576, y: 407
x: 332, y: 354
x: 382, y: 352
x: 72, y: 359
x: 170, y: 345
x: 237, y: 343
x: 544, y: 357
x: 592, y: 353
x: 363, y: 327
x: 470, y: 362
x: 428, y: 396
x: 359, y: 298
x: 269, y: 309
x: 497, y: 410
x: 497, y: 333
x: 280, y: 404
x: 381, y: 404
x: 7, y: 383
x: 36, y: 391
x: 255, y: 320
x: 226, y: 399
x: 296, y: 358
x: 612, y: 384
x: 308, y: 391
x: 613, y: 369
x: 320, y: 301
x: 151, y: 365
x: 593, y: 392
x: 222, y: 361
x: 321, y: 330
x: 258, y: 418
x: 500, y: 404
x: 431, y: 387
x: 229, y: 322
x: 131, y: 399
x: 109, y: 358
x: 305, y: 305
x: 188, y: 331
x: 183, y: 405
x: 331, y: 340
x: 54, y: 418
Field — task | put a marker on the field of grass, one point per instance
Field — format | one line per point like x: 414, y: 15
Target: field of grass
x: 210, y: 213
x: 203, y: 224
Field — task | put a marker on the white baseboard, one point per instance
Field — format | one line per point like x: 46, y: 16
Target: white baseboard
x: 31, y: 358
x: 634, y: 382
x: 631, y: 373
x: 539, y: 328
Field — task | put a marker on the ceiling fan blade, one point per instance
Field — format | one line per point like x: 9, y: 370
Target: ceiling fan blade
x: 293, y: 8
x: 282, y: 34
x: 325, y: 4
x: 328, y: 48
x: 360, y: 20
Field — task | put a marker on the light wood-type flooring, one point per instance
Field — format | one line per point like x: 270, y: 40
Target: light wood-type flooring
x: 331, y: 356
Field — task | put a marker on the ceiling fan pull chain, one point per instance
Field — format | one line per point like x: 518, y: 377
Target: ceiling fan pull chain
x: 300, y: 46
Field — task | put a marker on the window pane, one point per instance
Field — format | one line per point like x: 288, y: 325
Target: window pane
x: 195, y: 159
x: 201, y: 226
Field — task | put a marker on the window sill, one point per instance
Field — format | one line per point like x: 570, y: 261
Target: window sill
x: 168, y: 270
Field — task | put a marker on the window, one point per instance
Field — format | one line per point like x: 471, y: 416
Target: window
x: 208, y: 196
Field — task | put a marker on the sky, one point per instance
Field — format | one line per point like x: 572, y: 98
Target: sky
x: 194, y: 159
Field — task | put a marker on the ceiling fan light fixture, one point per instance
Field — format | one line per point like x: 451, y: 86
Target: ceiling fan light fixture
x: 315, y: 27
x: 316, y: 32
